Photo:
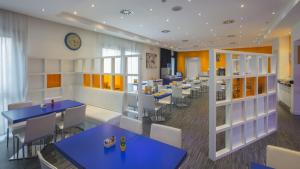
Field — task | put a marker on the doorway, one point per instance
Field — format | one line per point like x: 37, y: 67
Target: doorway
x: 192, y: 67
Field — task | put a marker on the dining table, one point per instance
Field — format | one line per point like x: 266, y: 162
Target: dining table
x: 86, y: 150
x: 23, y: 114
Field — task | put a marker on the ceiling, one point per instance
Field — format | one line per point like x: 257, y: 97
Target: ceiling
x: 199, y: 25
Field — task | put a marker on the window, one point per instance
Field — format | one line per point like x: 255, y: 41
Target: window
x: 118, y: 65
x: 107, y: 65
x: 128, y: 53
x: 133, y: 65
x: 106, y: 52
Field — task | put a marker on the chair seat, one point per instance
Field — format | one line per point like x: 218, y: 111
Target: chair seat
x: 17, y: 126
x: 165, y: 101
x: 186, y: 92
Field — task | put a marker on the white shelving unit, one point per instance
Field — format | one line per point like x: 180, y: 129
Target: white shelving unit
x: 248, y: 110
x: 39, y: 68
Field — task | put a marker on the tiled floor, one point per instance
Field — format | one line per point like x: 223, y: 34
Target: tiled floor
x: 194, y: 123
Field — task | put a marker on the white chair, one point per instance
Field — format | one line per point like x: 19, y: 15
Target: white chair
x: 149, y: 106
x: 132, y: 100
x: 282, y: 158
x: 166, y: 134
x: 178, y: 98
x: 73, y: 118
x: 44, y: 164
x: 56, y: 99
x: 36, y: 129
x: 130, y: 124
x: 12, y: 127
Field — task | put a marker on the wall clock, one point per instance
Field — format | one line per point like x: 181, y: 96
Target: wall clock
x: 73, y: 41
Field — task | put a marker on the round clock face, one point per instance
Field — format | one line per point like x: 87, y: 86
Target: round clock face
x: 73, y: 41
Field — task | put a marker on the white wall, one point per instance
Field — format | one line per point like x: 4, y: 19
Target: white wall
x: 283, y: 57
x: 295, y: 70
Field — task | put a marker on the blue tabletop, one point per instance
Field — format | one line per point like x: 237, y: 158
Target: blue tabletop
x: 86, y: 150
x: 23, y: 114
x: 162, y: 96
x: 259, y: 166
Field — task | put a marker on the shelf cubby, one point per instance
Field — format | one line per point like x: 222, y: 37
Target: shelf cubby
x: 249, y: 131
x: 223, y: 117
x: 223, y: 90
x: 87, y: 80
x: 53, y: 80
x: 237, y: 113
x: 251, y: 65
x: 237, y: 140
x: 272, y: 83
x: 35, y: 83
x: 272, y: 101
x: 249, y: 109
x: 262, y: 85
x: 222, y: 143
x: 38, y: 67
x: 250, y: 86
x: 261, y: 126
x: 272, y: 122
x: 262, y: 65
x: 68, y: 66
x: 96, y: 83
x: 261, y: 106
x: 53, y: 66
x: 106, y: 81
x: 237, y: 88
x: 118, y: 82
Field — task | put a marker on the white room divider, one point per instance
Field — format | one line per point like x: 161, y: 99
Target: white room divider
x: 242, y: 100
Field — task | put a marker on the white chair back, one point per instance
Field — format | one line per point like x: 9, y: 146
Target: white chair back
x: 39, y: 127
x: 130, y: 124
x: 56, y: 99
x: 176, y: 92
x: 74, y: 116
x: 282, y: 158
x: 131, y: 100
x: 166, y: 134
x: 148, y: 102
x: 19, y: 105
x: 44, y: 164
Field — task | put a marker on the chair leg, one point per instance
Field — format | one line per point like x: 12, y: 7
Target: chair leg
x: 14, y: 151
x: 7, y: 137
x: 18, y: 143
x: 23, y: 152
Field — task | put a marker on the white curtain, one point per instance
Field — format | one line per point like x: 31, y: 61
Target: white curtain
x: 13, y: 60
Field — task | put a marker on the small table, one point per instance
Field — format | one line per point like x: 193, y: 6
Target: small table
x: 159, y: 96
x: 259, y: 166
x: 86, y: 150
x: 23, y: 114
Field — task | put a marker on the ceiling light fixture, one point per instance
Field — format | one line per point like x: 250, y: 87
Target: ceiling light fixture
x: 228, y: 21
x: 43, y: 9
x: 242, y: 5
x: 126, y: 12
x: 189, y: 0
x: 104, y: 22
x: 199, y: 14
x: 93, y: 5
x: 167, y: 20
x: 206, y: 23
x: 176, y: 8
x: 273, y: 13
x: 75, y: 12
x: 150, y: 9
x: 165, y: 31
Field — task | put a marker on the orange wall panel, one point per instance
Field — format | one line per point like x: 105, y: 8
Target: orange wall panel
x: 106, y: 81
x: 53, y: 80
x: 262, y: 85
x: 118, y: 83
x: 204, y: 57
x: 250, y: 86
x: 86, y: 80
x: 96, y: 80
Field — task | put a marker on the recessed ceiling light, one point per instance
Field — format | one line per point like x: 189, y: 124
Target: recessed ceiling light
x: 273, y: 13
x: 199, y: 14
x: 167, y: 20
x: 228, y: 21
x: 126, y: 12
x: 189, y: 0
x: 43, y: 9
x: 242, y: 5
x: 165, y: 31
x: 150, y: 9
x: 177, y: 8
x: 75, y: 12
x: 93, y: 5
x: 206, y: 23
x: 104, y: 22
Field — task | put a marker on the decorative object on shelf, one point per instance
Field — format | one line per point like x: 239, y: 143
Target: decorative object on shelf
x: 151, y: 62
x: 123, y: 144
x: 73, y: 41
x: 109, y: 142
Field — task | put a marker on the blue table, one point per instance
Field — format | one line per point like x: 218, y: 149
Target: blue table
x: 86, y: 150
x: 162, y: 96
x: 259, y: 166
x: 23, y: 114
